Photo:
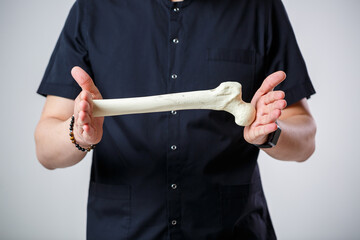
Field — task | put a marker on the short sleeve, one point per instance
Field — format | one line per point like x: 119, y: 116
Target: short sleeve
x: 70, y: 51
x: 283, y: 53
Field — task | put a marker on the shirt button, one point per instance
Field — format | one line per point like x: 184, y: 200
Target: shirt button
x: 176, y: 9
x: 174, y: 76
x: 173, y: 147
x: 173, y: 222
x: 173, y: 186
x: 175, y: 40
x: 173, y: 112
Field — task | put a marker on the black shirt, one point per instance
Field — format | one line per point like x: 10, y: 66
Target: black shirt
x: 186, y: 174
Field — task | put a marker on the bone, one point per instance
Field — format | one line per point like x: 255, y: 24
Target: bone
x: 226, y: 97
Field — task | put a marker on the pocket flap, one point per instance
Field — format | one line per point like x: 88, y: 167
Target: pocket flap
x: 231, y: 55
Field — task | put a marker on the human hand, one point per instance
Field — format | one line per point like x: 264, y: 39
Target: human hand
x: 88, y: 130
x: 268, y: 105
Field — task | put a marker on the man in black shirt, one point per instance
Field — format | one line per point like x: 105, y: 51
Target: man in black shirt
x: 181, y: 174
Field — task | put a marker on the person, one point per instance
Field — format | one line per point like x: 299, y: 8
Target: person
x: 189, y: 174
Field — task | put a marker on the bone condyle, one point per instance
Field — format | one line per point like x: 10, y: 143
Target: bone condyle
x: 226, y: 97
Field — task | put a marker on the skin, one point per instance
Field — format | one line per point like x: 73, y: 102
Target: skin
x: 297, y: 139
x: 296, y: 142
x: 296, y: 122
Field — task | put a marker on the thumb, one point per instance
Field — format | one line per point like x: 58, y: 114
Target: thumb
x: 84, y: 80
x: 268, y: 85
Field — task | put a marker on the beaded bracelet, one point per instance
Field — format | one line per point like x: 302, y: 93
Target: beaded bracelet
x: 72, y: 138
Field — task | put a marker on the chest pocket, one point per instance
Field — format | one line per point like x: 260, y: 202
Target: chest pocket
x: 238, y: 65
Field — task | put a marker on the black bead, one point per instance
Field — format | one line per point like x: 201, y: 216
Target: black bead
x: 73, y: 138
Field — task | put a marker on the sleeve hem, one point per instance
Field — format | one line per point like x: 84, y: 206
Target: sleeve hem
x: 298, y: 92
x: 60, y: 90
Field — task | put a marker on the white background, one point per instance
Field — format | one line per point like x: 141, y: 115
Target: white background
x: 318, y: 199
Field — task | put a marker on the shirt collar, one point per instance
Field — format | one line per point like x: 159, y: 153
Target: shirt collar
x: 179, y: 4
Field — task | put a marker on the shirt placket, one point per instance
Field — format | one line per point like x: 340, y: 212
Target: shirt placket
x: 174, y: 147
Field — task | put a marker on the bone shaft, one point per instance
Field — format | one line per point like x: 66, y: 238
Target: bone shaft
x: 159, y: 103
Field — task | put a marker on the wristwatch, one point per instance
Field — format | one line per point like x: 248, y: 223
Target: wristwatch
x: 272, y: 139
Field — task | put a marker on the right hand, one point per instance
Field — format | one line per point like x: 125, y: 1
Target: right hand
x: 88, y: 130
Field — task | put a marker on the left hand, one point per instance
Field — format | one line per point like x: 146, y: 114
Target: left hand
x: 268, y: 104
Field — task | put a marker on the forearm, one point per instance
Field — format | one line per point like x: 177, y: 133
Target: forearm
x: 297, y: 139
x: 53, y: 146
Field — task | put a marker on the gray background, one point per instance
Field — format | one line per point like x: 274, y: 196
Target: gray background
x: 318, y: 199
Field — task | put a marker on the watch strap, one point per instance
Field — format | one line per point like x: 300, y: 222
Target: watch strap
x: 272, y: 139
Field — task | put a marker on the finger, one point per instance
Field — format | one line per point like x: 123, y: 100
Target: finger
x: 269, y: 84
x: 84, y: 80
x: 88, y: 103
x: 84, y: 118
x: 279, y: 104
x: 269, y: 118
x: 84, y: 106
x: 88, y: 133
x: 87, y: 129
x: 272, y: 97
x: 80, y: 102
x: 86, y: 95
x: 264, y: 130
x: 78, y: 122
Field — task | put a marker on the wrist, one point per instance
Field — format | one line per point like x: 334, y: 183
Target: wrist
x: 84, y: 147
x: 260, y: 140
x: 272, y: 139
